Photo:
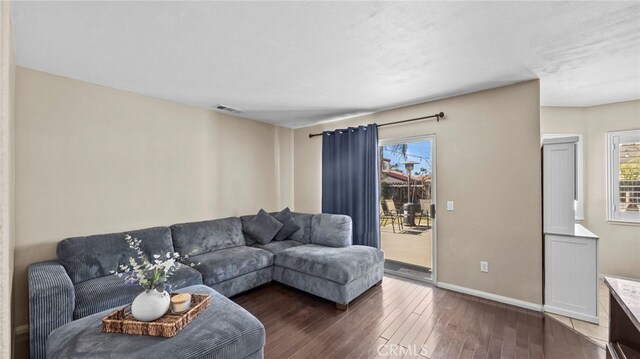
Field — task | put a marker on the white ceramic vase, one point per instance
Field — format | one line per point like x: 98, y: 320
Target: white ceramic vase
x: 150, y: 305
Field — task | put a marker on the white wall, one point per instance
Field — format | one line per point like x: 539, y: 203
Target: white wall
x: 7, y: 73
x: 488, y: 162
x: 91, y: 159
x: 619, y: 243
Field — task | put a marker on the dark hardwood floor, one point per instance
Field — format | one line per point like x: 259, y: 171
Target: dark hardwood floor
x: 402, y: 318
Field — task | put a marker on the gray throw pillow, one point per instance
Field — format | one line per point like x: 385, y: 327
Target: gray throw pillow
x: 289, y: 224
x: 263, y: 227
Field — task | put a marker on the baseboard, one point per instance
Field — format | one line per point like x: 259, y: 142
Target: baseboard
x: 602, y: 275
x: 572, y: 314
x: 491, y: 296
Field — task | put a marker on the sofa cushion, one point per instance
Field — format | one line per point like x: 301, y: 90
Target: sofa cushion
x: 229, y: 263
x: 276, y: 247
x: 96, y: 256
x: 341, y: 265
x: 207, y: 236
x: 289, y: 224
x: 98, y: 294
x: 302, y: 235
x: 263, y: 227
x: 333, y: 230
x: 249, y: 240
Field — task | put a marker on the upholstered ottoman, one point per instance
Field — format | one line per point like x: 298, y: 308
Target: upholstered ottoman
x: 224, y: 330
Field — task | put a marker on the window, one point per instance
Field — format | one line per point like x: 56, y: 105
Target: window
x: 623, y: 176
x: 579, y: 182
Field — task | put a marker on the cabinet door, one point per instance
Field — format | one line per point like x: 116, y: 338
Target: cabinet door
x: 571, y: 276
x: 559, y: 187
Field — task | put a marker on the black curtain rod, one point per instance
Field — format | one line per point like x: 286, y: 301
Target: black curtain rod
x: 437, y: 116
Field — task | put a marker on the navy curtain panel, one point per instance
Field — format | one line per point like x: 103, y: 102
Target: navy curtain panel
x: 350, y: 180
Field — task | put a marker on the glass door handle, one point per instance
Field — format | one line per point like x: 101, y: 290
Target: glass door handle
x: 432, y: 210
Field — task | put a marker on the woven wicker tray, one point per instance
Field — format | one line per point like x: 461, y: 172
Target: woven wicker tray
x: 121, y: 321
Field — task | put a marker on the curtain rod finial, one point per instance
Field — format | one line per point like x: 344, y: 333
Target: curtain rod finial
x: 441, y: 114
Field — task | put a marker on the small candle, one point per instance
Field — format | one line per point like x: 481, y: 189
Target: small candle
x: 180, y: 302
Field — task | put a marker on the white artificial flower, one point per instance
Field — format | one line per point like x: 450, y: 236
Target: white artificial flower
x: 143, y: 269
x: 168, y: 264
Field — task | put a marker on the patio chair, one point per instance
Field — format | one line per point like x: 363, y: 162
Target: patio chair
x: 385, y: 216
x: 424, y: 211
x: 391, y: 208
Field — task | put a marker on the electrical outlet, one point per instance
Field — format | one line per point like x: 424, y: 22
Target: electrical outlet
x: 484, y: 266
x: 449, y: 205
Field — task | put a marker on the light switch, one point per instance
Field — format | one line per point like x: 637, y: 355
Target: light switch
x: 449, y: 205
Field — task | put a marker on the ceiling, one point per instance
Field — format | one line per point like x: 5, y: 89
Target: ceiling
x: 298, y: 63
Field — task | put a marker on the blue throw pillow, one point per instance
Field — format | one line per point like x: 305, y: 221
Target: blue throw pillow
x: 289, y: 224
x: 263, y: 227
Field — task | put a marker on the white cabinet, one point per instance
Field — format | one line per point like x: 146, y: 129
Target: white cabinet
x: 559, y: 185
x: 570, y: 250
x: 571, y: 274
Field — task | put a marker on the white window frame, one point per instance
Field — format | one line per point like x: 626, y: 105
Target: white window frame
x: 579, y: 171
x: 613, y: 173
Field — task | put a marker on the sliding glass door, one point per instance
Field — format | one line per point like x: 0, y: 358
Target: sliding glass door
x: 407, y: 198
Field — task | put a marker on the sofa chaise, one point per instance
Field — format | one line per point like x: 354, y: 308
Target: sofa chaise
x: 318, y: 258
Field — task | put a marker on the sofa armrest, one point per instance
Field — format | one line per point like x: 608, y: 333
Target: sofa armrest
x: 51, y: 303
x: 331, y: 230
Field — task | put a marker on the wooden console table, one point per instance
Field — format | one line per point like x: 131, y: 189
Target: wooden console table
x: 624, y: 313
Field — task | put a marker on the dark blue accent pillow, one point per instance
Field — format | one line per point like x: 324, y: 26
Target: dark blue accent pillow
x: 289, y: 224
x: 263, y: 227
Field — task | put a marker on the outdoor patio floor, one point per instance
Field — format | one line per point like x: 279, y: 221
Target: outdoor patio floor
x: 413, y: 248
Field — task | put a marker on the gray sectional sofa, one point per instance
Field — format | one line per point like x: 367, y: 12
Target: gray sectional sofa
x: 318, y: 258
